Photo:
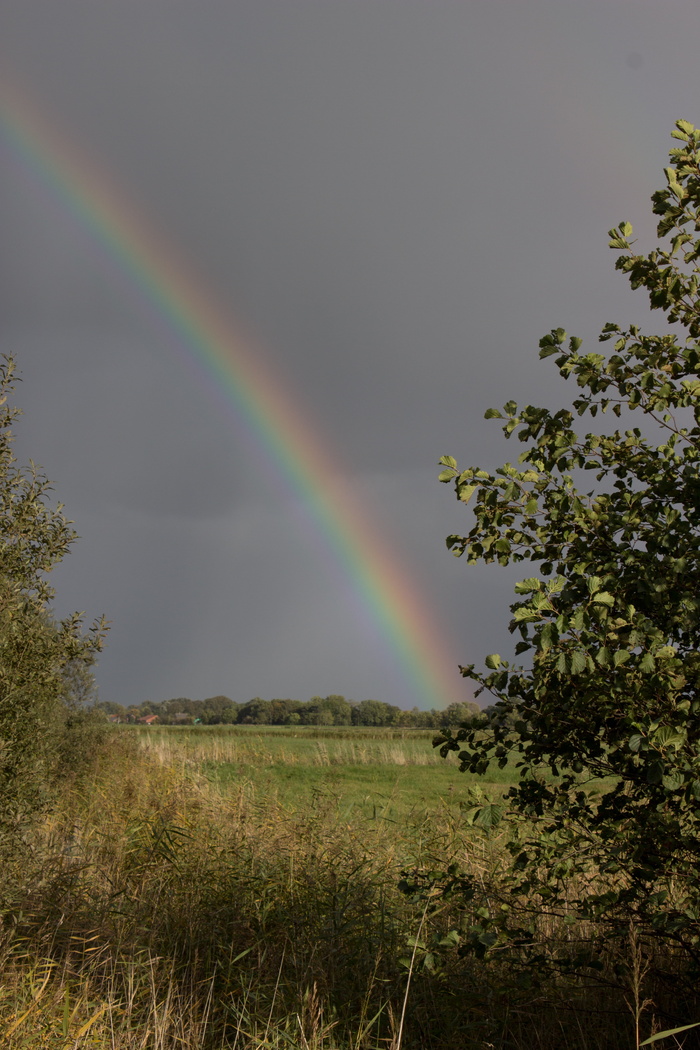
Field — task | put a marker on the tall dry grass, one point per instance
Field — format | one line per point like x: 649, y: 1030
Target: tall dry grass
x: 150, y: 912
x: 266, y: 745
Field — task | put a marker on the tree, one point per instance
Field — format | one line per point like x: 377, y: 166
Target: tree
x: 111, y: 707
x: 41, y: 660
x: 375, y: 713
x: 609, y: 625
x: 334, y: 710
x: 255, y: 712
x: 80, y: 687
x: 282, y: 710
x: 457, y: 714
x: 216, y: 710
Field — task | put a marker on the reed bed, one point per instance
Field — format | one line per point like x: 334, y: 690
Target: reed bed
x: 150, y: 911
x: 261, y: 746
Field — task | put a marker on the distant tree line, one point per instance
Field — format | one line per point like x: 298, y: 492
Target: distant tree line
x: 333, y: 710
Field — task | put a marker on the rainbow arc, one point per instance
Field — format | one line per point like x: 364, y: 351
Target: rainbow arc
x: 201, y: 328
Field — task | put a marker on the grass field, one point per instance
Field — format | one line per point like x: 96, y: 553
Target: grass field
x: 237, y: 888
x: 378, y: 773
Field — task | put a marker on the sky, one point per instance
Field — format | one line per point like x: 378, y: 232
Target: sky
x: 384, y: 204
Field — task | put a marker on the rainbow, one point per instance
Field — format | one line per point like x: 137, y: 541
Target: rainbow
x: 198, y: 324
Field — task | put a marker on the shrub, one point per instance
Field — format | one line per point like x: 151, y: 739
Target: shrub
x: 35, y: 650
x: 604, y: 718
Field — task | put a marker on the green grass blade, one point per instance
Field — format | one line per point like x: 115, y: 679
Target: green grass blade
x: 669, y: 1031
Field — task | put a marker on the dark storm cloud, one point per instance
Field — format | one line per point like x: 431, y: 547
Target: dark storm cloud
x: 398, y: 199
x: 132, y: 434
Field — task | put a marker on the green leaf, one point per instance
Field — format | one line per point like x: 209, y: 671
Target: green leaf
x: 667, y: 736
x: 621, y: 656
x: 528, y: 586
x: 673, y: 781
x: 489, y: 816
x: 448, y: 461
x: 668, y: 1032
x: 492, y: 413
x: 493, y: 661
x: 578, y: 662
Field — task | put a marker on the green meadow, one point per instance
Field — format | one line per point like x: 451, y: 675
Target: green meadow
x: 369, y: 773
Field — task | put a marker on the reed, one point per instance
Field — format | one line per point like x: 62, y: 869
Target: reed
x: 150, y: 910
x: 255, y: 745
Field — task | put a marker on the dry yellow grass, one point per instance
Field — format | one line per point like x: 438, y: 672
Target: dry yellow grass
x: 149, y: 912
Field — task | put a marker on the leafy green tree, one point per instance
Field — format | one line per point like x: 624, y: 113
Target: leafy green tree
x: 609, y: 624
x: 334, y: 710
x: 309, y: 711
x: 79, y: 683
x: 41, y: 660
x: 459, y: 714
x: 256, y: 712
x: 282, y: 710
x: 110, y: 707
x: 218, y: 710
x: 375, y: 713
x: 432, y: 719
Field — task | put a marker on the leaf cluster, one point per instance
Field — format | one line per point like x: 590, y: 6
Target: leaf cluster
x: 603, y: 714
x: 38, y: 655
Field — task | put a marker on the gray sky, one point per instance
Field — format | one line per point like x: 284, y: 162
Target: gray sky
x: 396, y: 199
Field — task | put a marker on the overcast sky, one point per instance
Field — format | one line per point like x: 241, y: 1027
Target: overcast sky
x: 396, y: 199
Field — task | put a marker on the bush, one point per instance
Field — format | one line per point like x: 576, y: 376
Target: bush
x: 35, y: 650
x: 604, y: 718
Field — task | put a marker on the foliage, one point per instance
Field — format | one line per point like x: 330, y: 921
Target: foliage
x: 154, y: 912
x: 332, y: 710
x: 610, y: 623
x: 79, y: 686
x: 39, y: 657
